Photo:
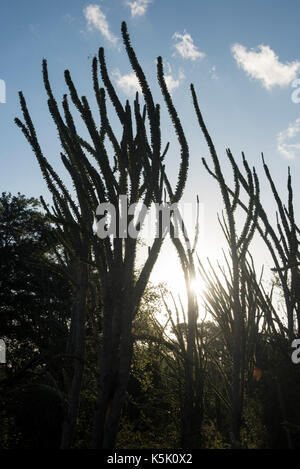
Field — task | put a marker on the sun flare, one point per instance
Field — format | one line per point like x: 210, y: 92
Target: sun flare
x: 169, y: 272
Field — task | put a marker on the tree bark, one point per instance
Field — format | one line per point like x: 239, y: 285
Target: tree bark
x: 76, y: 348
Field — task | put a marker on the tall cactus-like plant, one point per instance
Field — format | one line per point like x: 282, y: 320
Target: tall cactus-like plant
x: 283, y: 246
x: 238, y: 247
x: 190, y: 347
x: 135, y: 169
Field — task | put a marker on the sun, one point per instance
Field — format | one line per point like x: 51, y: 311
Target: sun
x: 195, y: 285
x: 168, y: 270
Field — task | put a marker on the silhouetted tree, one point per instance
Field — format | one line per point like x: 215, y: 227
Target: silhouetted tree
x: 137, y: 172
x: 238, y: 246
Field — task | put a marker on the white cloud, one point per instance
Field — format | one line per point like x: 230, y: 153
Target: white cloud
x: 171, y: 82
x: 213, y: 73
x: 128, y: 83
x: 96, y: 19
x: 186, y: 48
x: 264, y: 65
x: 138, y: 7
x: 287, y: 149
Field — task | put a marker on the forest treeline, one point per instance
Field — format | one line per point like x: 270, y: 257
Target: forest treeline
x: 89, y: 365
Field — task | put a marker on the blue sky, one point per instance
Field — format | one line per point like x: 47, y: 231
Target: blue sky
x: 242, y: 56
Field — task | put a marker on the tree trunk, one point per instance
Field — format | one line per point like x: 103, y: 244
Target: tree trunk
x: 115, y: 362
x: 76, y: 348
x: 237, y: 398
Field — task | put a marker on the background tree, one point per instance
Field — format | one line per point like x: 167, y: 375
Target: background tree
x: 35, y: 312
